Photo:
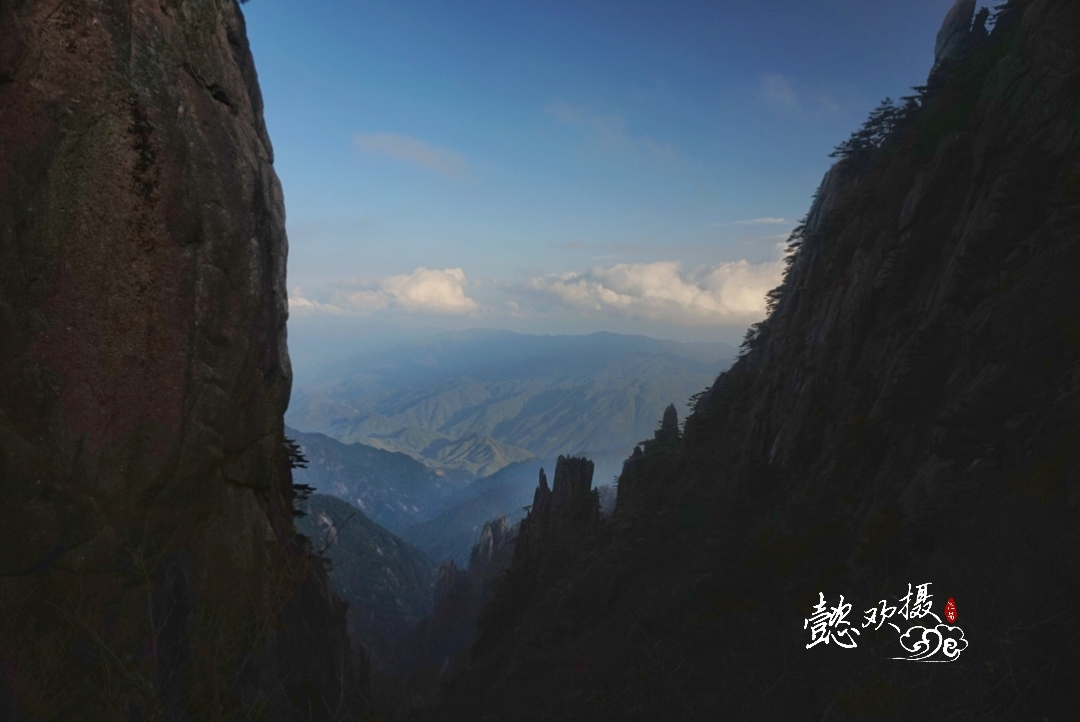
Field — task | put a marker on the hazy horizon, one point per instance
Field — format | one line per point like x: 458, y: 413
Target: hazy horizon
x: 310, y: 352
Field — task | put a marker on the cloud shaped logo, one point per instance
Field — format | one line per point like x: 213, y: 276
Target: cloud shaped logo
x: 933, y: 644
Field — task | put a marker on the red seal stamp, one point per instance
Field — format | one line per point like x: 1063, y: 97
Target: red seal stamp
x: 950, y: 610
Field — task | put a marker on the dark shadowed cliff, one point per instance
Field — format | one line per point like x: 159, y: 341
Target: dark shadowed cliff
x: 433, y: 646
x: 149, y: 567
x: 909, y: 413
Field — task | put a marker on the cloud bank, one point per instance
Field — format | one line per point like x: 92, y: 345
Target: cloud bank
x: 425, y: 290
x: 416, y: 152
x: 727, y: 293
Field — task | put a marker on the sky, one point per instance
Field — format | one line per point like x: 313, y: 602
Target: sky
x: 564, y: 166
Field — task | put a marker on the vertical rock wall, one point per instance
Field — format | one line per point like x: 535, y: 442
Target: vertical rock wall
x: 147, y: 551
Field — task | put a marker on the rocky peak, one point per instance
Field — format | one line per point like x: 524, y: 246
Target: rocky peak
x: 493, y: 538
x: 669, y: 425
x: 542, y: 496
x: 556, y: 517
x: 961, y: 32
x: 573, y: 482
x: 459, y: 597
x: 448, y: 577
x: 954, y: 28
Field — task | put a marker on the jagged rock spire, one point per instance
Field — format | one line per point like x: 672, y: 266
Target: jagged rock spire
x: 448, y: 576
x: 559, y: 513
x: 493, y: 537
x: 669, y: 425
x: 542, y: 497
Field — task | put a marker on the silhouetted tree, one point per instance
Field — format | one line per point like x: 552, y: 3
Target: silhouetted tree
x: 885, y: 123
x: 754, y: 335
x: 297, y: 460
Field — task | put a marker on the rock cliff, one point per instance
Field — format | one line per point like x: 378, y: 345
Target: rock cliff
x: 460, y: 595
x: 908, y: 413
x: 559, y: 528
x: 436, y: 644
x: 149, y: 566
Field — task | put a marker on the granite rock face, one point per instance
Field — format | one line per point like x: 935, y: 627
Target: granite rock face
x: 144, y: 375
x: 460, y: 595
x: 570, y: 508
x: 954, y: 30
x: 559, y: 529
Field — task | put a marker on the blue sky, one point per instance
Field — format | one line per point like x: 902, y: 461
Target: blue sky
x: 561, y: 166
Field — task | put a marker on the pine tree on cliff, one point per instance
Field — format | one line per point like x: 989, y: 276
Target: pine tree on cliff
x: 884, y: 124
x: 297, y: 460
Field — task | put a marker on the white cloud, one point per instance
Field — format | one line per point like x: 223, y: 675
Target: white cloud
x: 825, y: 103
x: 425, y: 290
x: 726, y: 293
x: 299, y: 305
x: 608, y: 130
x: 417, y: 152
x: 783, y: 93
x: 756, y: 222
x: 778, y: 89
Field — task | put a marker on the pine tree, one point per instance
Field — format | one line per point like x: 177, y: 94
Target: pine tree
x: 297, y: 460
x: 885, y: 123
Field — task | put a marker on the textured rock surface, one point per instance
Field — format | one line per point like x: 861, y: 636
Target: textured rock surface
x: 437, y: 643
x: 145, y: 529
x: 562, y: 513
x: 459, y: 597
x: 909, y: 414
x: 954, y: 29
x: 558, y: 530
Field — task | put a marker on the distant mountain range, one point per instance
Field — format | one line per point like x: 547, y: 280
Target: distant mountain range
x: 478, y: 401
x: 441, y: 512
x: 452, y: 533
x: 371, y: 566
x: 394, y: 489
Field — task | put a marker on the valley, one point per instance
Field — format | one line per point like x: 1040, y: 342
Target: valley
x: 480, y: 400
x: 483, y: 525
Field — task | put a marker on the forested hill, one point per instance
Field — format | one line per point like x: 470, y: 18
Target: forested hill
x: 909, y: 413
x: 481, y: 400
